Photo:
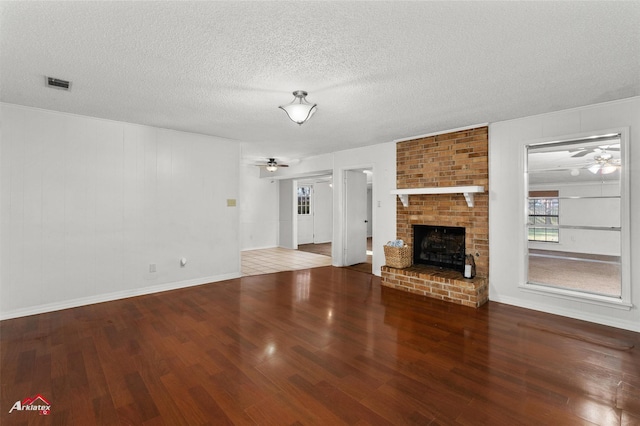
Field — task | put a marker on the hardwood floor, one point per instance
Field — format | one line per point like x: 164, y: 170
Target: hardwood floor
x: 323, y: 248
x: 322, y: 346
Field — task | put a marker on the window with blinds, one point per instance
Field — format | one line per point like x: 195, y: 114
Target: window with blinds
x: 544, y: 216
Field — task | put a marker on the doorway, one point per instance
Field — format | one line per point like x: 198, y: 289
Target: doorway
x: 315, y: 215
x: 358, y: 202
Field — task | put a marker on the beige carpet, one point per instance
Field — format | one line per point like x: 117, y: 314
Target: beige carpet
x: 593, y: 274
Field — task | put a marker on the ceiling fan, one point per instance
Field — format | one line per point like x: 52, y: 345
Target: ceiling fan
x: 272, y: 165
x: 604, y: 164
x: 598, y: 150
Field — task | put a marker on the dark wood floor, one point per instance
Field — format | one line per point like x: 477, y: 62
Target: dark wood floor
x: 322, y: 248
x: 325, y: 250
x: 324, y: 346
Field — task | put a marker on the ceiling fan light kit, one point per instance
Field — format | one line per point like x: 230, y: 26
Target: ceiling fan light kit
x: 271, y: 165
x: 604, y: 164
x: 299, y: 110
x: 603, y: 169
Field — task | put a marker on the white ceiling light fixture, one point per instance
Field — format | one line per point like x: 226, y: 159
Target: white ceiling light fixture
x: 299, y: 110
x: 604, y: 164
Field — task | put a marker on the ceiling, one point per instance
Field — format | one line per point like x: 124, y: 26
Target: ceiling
x: 568, y: 162
x: 378, y: 71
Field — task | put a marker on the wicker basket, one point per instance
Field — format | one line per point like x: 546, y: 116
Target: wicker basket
x: 397, y: 257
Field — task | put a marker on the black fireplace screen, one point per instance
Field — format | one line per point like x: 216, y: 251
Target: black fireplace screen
x: 441, y: 246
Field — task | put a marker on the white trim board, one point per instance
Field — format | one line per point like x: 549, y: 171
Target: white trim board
x: 467, y: 191
x: 569, y: 313
x: 109, y: 297
x: 442, y: 132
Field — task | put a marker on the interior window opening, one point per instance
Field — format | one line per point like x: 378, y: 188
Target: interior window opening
x: 574, y: 207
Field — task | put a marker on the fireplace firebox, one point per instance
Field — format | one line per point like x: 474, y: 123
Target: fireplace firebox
x: 441, y: 246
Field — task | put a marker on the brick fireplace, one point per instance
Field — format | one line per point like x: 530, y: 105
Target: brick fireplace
x: 458, y: 159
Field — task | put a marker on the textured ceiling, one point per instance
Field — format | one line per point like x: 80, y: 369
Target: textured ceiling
x: 378, y: 71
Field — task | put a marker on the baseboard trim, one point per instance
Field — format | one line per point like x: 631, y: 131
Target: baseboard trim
x: 109, y: 297
x: 569, y: 313
x: 258, y: 248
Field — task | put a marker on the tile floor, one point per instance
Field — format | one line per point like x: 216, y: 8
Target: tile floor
x: 266, y: 261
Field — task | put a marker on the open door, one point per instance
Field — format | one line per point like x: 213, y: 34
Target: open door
x: 323, y: 213
x: 356, y: 218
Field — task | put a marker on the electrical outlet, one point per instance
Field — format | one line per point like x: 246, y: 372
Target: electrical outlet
x: 152, y: 267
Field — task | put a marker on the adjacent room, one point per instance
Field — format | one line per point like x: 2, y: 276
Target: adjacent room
x: 319, y: 213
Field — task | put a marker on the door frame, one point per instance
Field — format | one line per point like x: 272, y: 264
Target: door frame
x: 312, y: 181
x: 343, y: 237
x: 312, y: 206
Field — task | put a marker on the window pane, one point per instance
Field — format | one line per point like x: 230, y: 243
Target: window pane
x: 543, y: 211
x: 571, y: 189
x: 304, y: 202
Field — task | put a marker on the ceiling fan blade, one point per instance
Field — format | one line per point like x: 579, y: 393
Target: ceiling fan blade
x: 283, y: 165
x: 581, y: 153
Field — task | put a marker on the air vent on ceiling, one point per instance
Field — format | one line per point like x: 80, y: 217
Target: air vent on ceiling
x: 56, y: 83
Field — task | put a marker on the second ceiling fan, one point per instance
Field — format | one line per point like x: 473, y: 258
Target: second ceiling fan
x: 272, y: 165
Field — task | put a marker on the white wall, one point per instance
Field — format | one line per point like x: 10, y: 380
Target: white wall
x: 288, y: 225
x: 381, y: 159
x: 259, y: 220
x: 507, y: 142
x: 586, y: 212
x: 88, y: 204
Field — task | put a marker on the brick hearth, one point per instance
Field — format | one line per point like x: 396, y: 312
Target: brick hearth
x: 452, y: 159
x: 438, y: 284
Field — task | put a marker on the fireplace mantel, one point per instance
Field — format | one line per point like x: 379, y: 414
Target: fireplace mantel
x: 468, y: 191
